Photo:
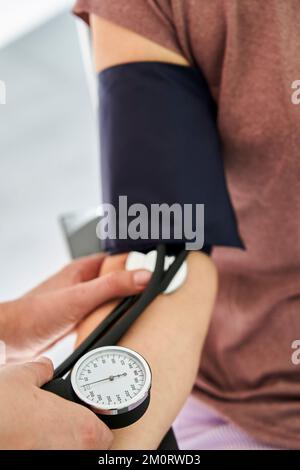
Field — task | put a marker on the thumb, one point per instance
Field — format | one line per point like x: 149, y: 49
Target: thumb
x: 37, y: 372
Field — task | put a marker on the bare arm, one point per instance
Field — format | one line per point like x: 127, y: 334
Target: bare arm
x: 116, y: 45
x: 171, y: 332
x: 170, y: 335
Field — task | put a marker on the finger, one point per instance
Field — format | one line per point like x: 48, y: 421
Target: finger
x: 110, y: 264
x: 111, y: 286
x: 38, y: 372
x: 81, y: 270
x: 76, y: 302
x: 113, y: 263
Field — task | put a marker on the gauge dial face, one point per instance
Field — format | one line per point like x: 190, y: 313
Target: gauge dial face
x: 111, y: 379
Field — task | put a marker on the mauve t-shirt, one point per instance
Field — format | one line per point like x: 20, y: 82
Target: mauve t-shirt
x: 249, y: 52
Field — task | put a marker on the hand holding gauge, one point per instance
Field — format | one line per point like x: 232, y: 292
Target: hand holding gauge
x: 114, y: 381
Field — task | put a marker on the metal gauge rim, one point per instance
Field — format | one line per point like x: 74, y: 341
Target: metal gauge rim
x: 136, y: 401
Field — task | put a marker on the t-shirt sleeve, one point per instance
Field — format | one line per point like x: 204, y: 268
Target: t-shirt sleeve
x: 151, y: 19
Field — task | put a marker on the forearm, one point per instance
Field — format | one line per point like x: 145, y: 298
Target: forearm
x: 170, y: 335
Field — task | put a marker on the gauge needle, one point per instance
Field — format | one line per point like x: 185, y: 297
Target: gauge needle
x: 111, y: 378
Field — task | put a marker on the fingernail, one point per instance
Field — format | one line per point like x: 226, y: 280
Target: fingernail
x: 142, y: 277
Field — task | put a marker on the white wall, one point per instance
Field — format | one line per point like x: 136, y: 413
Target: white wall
x: 48, y: 150
x: 20, y: 16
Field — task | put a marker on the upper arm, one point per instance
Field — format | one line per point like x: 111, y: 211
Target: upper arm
x: 115, y: 45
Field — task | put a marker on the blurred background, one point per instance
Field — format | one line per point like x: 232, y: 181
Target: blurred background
x: 48, y: 137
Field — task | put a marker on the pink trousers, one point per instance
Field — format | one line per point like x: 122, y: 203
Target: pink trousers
x: 199, y: 427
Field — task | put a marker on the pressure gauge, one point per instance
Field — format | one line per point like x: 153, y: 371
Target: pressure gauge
x: 115, y: 383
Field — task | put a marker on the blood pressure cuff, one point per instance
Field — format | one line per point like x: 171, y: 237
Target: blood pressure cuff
x: 160, y: 145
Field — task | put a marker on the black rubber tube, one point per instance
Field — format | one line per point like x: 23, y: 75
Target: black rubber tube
x: 105, y: 330
x: 88, y: 343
